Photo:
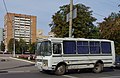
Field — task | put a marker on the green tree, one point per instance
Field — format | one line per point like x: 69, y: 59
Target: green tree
x: 32, y: 48
x: 94, y: 33
x: 2, y: 46
x: 17, y: 47
x: 10, y: 45
x: 22, y: 46
x: 110, y: 29
x: 82, y: 25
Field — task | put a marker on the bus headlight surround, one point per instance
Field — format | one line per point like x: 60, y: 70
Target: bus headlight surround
x: 45, y: 62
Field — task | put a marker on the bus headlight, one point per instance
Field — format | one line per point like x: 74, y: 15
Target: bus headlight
x: 45, y: 63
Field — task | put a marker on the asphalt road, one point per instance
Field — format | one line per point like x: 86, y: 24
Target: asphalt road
x: 13, y: 68
x: 83, y: 74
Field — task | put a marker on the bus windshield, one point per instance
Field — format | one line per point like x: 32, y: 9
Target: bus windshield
x: 44, y: 48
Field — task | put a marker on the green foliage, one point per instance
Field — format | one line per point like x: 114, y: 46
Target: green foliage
x: 17, y: 50
x: 82, y: 25
x: 2, y: 46
x: 10, y: 45
x: 110, y: 29
x: 32, y: 48
x: 20, y: 46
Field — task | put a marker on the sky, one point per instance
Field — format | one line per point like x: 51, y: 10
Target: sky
x: 44, y: 9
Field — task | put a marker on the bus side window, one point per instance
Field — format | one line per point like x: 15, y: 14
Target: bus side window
x: 57, y: 48
x: 106, y: 47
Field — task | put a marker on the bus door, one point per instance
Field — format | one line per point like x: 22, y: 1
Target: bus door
x: 57, y: 49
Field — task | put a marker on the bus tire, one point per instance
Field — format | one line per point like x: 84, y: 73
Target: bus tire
x: 98, y: 68
x: 60, y: 70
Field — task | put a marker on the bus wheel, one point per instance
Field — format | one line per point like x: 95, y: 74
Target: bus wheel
x: 60, y: 70
x: 98, y: 68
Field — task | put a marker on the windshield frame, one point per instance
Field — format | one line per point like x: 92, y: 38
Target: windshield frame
x: 44, y: 49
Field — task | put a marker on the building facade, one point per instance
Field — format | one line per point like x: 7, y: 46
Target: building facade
x: 40, y: 34
x: 51, y: 34
x: 19, y: 26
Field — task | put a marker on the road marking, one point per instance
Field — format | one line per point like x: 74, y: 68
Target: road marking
x: 22, y: 60
x: 111, y: 77
x: 68, y: 76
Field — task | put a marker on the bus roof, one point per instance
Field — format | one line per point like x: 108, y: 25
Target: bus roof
x: 73, y: 39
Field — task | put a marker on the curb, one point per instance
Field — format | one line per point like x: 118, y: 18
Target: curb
x: 22, y: 60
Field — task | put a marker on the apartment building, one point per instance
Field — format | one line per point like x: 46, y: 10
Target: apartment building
x: 19, y: 26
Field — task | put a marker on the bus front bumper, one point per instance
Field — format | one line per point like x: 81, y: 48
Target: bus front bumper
x: 41, y: 67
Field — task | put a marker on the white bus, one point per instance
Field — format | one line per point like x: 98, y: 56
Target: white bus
x: 62, y: 54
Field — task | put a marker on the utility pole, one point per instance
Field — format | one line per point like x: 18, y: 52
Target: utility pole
x: 71, y: 16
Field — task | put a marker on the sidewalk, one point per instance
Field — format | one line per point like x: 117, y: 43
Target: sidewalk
x: 10, y: 64
x: 22, y: 60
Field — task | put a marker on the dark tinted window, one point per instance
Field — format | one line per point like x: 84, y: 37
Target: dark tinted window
x: 106, y: 47
x: 82, y: 47
x: 69, y: 47
x: 94, y: 47
x: 57, y: 48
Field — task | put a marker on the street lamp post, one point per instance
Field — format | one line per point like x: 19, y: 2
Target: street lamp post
x: 13, y: 38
